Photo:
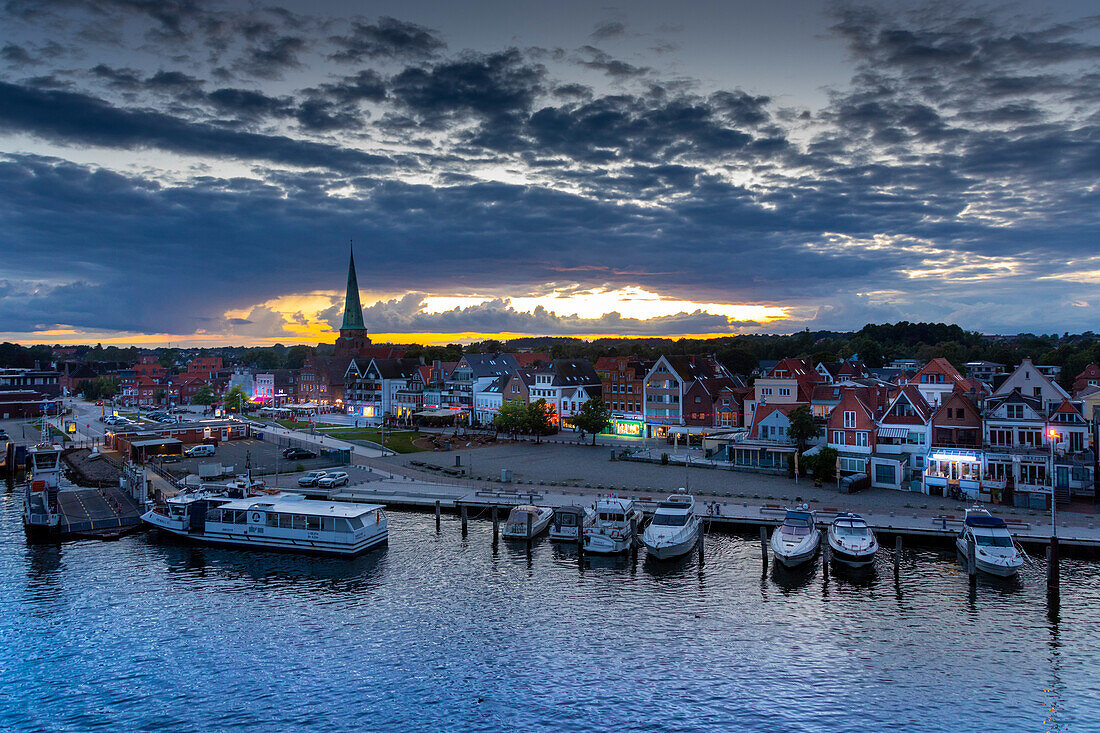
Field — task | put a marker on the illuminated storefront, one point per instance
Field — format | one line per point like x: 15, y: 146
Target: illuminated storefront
x: 628, y: 428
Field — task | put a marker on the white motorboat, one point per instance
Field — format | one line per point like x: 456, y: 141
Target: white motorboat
x: 851, y: 541
x: 675, y: 528
x: 615, y: 530
x: 272, y: 522
x: 516, y: 526
x: 797, y: 539
x: 570, y: 521
x: 995, y: 551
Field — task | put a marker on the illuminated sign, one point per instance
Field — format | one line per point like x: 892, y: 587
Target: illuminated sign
x: 630, y: 428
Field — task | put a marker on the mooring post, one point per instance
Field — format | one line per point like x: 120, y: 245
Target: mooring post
x: 825, y: 560
x: 1052, y: 566
x: 764, y: 546
x: 634, y: 537
x: 580, y: 540
x: 702, y: 534
x: 528, y: 530
x: 496, y: 525
x: 437, y: 515
x: 463, y: 520
x: 971, y: 562
x: 897, y: 554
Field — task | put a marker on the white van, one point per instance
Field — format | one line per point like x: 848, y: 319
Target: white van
x: 201, y: 450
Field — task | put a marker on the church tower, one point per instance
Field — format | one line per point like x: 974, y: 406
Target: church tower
x: 353, y: 332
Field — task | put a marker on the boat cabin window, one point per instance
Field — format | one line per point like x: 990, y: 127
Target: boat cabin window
x: 612, y: 517
x: 272, y: 519
x: 45, y: 460
x: 849, y: 531
x: 313, y: 524
x: 340, y: 524
x: 984, y: 540
x: 356, y: 522
x: 176, y: 511
x: 299, y: 521
x: 670, y: 520
x: 795, y: 530
x: 567, y: 520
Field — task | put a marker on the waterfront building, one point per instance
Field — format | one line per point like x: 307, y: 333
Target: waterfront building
x: 473, y: 374
x: 666, y: 385
x: 938, y: 379
x: 383, y: 388
x: 565, y: 384
x: 623, y: 382
x: 789, y: 382
x: 901, y: 441
x: 1030, y: 381
x: 1089, y: 377
x: 852, y: 427
x: 984, y: 370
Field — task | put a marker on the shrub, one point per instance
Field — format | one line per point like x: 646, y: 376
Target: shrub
x: 664, y: 459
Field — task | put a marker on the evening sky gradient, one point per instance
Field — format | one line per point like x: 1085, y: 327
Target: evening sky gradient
x: 192, y: 172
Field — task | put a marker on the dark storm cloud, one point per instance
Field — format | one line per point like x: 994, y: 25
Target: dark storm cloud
x: 16, y: 55
x: 273, y: 57
x: 608, y: 29
x: 591, y: 57
x: 69, y: 117
x: 386, y: 38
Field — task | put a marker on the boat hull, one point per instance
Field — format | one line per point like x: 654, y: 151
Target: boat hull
x: 670, y: 551
x: 270, y: 543
x: 997, y: 570
x: 538, y: 526
x: 853, y: 559
x: 600, y: 544
x: 793, y: 557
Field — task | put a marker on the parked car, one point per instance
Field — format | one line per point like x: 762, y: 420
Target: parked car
x: 297, y: 454
x: 336, y: 478
x: 311, y: 478
x: 202, y: 449
x: 169, y: 458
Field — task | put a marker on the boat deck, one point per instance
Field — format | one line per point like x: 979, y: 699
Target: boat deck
x: 97, y: 511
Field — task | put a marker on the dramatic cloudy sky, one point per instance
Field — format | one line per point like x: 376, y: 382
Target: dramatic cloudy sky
x: 192, y: 172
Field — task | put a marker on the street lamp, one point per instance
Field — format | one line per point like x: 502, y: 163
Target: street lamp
x: 1053, y: 435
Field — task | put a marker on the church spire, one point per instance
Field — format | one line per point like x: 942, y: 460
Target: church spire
x: 353, y: 311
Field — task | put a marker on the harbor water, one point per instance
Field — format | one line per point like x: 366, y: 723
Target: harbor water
x: 442, y: 633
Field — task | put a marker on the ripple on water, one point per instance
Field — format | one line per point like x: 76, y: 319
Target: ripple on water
x: 441, y: 633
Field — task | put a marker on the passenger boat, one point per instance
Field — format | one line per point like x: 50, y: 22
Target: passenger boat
x: 851, y: 541
x: 674, y: 529
x: 615, y: 530
x: 41, y: 511
x: 995, y: 551
x: 797, y: 539
x: 272, y: 522
x: 516, y: 526
x: 570, y: 521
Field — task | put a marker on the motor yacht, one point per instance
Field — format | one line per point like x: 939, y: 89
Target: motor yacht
x: 797, y: 539
x: 995, y: 551
x: 516, y: 526
x: 675, y: 528
x: 570, y: 521
x: 851, y: 541
x: 616, y: 527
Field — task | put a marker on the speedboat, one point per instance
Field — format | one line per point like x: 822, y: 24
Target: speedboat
x: 675, y: 528
x: 995, y: 551
x: 271, y: 522
x: 570, y: 521
x: 516, y: 526
x: 852, y: 542
x: 616, y: 527
x: 796, y: 540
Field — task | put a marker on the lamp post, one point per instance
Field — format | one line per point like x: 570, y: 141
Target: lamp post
x: 1053, y: 435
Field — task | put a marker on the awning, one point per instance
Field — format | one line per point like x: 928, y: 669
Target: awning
x: 440, y: 413
x: 815, y: 450
x: 893, y: 432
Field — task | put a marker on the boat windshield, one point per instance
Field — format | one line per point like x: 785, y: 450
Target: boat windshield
x: 843, y: 531
x: 993, y: 540
x: 670, y: 520
x: 795, y: 531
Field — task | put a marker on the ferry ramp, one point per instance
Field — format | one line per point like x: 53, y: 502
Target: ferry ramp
x: 97, y: 511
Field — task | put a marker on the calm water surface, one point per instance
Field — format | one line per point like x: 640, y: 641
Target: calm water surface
x: 439, y: 633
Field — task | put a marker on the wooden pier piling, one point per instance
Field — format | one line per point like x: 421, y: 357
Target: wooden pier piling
x: 764, y: 546
x: 897, y: 554
x: 463, y: 520
x: 702, y: 534
x: 529, y: 536
x: 437, y: 517
x: 971, y: 562
x: 496, y: 526
x: 826, y: 553
x: 1053, y: 585
x: 634, y: 538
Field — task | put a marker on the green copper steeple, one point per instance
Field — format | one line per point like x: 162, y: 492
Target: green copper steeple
x: 353, y: 312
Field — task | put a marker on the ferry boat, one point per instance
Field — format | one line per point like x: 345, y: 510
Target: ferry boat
x: 851, y: 541
x: 995, y: 551
x: 516, y: 526
x: 674, y: 529
x: 615, y: 529
x: 797, y: 539
x: 570, y: 521
x: 272, y: 522
x: 41, y: 510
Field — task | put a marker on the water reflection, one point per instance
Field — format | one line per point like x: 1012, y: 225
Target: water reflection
x: 790, y: 580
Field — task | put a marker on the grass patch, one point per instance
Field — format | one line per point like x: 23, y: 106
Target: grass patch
x: 399, y: 441
x: 296, y: 425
